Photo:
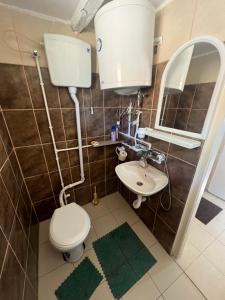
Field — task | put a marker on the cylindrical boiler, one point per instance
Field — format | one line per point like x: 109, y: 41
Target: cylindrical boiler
x: 124, y: 40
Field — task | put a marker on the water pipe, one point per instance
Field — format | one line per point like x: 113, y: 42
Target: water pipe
x: 73, y: 91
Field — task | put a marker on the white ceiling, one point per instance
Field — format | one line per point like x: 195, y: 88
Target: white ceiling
x: 55, y: 8
x: 62, y: 9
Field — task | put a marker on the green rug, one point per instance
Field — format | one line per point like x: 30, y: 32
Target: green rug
x: 81, y: 283
x: 124, y: 259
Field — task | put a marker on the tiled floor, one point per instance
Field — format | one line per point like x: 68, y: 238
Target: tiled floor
x: 165, y: 280
x: 203, y: 259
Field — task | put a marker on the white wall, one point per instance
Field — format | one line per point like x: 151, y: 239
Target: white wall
x: 216, y: 185
x: 21, y: 33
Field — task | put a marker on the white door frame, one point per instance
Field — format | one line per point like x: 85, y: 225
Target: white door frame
x: 207, y: 159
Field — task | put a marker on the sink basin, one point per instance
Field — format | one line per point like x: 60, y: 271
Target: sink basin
x: 142, y: 181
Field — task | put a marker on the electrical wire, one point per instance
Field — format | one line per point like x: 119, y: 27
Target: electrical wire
x: 162, y: 197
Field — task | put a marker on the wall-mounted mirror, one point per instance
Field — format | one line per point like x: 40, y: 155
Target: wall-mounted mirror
x: 189, y: 88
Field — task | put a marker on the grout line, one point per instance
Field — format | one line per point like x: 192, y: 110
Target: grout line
x: 7, y: 159
x: 18, y: 162
x: 6, y: 252
x: 180, y: 159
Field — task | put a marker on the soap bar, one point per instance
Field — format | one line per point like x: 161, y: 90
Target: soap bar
x: 95, y: 143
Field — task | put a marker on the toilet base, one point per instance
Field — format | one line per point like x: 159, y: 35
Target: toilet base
x: 74, y: 254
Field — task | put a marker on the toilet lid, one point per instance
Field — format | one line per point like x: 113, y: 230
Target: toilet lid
x: 69, y: 225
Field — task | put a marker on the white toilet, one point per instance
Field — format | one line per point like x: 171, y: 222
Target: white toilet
x: 69, y: 227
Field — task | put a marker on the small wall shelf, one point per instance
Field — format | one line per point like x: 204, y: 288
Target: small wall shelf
x: 96, y: 144
x: 173, y: 139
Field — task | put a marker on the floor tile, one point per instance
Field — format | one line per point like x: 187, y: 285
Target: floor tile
x: 102, y: 292
x: 145, y: 290
x: 215, y: 253
x: 190, y: 253
x: 144, y: 234
x: 214, y: 227
x: 104, y: 225
x: 49, y: 258
x: 207, y: 278
x: 125, y: 214
x: 183, y: 289
x: 96, y: 211
x: 44, y: 231
x: 165, y: 271
x: 114, y: 201
x: 90, y: 239
x: 221, y: 237
x: 50, y: 282
x: 200, y: 238
x: 221, y: 217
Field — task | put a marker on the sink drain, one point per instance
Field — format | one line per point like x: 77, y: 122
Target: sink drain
x: 139, y: 183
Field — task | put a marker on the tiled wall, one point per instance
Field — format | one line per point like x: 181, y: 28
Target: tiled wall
x: 25, y: 115
x: 187, y: 110
x: 181, y: 164
x: 18, y: 228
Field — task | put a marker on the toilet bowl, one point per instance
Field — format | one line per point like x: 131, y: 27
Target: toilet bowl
x: 69, y: 227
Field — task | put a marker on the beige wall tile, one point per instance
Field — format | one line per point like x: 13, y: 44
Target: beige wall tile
x: 8, y: 40
x: 29, y: 31
x: 174, y: 23
x: 210, y: 19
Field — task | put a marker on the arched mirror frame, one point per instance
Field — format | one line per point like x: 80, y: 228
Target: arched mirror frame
x: 219, y: 82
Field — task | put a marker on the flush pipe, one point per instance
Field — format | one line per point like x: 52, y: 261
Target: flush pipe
x: 73, y: 91
x: 36, y: 57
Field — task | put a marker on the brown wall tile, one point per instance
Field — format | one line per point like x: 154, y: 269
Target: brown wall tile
x: 11, y: 287
x: 3, y: 243
x: 45, y: 208
x: 35, y: 89
x: 13, y: 88
x: 164, y: 234
x: 97, y: 171
x: 7, y: 211
x: 173, y: 216
x: 111, y: 99
x: 43, y: 126
x: 18, y: 242
x: 10, y: 182
x: 27, y: 156
x: 5, y: 135
x: 39, y: 187
x: 180, y: 180
x: 22, y: 127
x: 95, y: 122
x: 69, y: 119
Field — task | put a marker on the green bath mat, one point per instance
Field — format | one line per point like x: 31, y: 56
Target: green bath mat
x: 81, y: 283
x: 124, y: 259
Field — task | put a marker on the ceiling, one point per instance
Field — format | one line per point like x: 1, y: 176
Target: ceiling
x: 55, y: 8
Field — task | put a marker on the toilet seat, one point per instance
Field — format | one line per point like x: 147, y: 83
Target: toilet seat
x: 69, y: 226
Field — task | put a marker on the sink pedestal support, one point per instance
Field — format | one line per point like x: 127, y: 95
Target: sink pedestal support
x: 138, y: 201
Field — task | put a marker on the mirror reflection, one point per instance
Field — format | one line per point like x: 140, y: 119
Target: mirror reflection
x: 188, y: 88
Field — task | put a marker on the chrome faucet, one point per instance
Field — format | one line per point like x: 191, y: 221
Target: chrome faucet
x: 154, y: 155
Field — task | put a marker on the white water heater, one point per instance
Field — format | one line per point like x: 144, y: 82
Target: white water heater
x: 124, y: 41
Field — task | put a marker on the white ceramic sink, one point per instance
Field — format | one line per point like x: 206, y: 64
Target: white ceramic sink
x: 142, y: 181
